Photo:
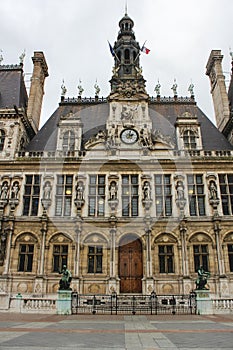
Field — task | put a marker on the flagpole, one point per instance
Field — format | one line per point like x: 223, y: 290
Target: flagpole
x: 139, y: 53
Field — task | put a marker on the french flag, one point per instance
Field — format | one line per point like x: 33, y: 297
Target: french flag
x: 145, y: 50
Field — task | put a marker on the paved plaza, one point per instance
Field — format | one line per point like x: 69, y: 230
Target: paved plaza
x: 84, y: 332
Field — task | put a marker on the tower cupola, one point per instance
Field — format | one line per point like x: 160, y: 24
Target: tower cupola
x: 127, y: 76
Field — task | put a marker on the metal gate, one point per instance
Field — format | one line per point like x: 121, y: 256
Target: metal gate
x: 133, y: 304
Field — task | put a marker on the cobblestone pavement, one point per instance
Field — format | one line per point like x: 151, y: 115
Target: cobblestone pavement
x: 85, y: 332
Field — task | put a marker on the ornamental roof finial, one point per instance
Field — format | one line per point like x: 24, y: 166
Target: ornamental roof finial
x: 80, y: 88
x: 126, y: 8
x: 63, y: 89
x: 1, y: 57
x: 22, y: 56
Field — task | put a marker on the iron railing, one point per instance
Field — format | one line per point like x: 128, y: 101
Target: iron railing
x: 133, y: 304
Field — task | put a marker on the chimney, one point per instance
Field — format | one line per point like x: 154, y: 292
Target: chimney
x: 40, y: 72
x: 218, y: 88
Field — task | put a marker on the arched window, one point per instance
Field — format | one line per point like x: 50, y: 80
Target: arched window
x: 68, y: 141
x: 126, y: 56
x: 2, y: 139
x: 189, y: 140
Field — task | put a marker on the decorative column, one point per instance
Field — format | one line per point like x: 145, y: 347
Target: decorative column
x: 8, y: 249
x: 148, y: 278
x: 183, y: 230
x: 148, y: 253
x: 113, y: 254
x: 113, y: 280
x: 44, y: 229
x: 219, y: 252
x: 78, y: 231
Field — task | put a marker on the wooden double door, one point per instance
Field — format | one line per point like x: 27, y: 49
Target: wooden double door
x: 130, y: 265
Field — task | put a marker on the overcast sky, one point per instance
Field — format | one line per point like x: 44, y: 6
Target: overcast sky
x: 73, y: 35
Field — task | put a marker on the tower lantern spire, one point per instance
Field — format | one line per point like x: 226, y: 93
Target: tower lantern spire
x: 127, y: 74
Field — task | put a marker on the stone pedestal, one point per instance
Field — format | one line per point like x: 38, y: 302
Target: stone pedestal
x: 204, y: 303
x: 64, y: 302
x: 4, y: 301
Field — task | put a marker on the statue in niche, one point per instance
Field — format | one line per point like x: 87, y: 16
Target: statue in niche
x: 15, y: 190
x: 213, y: 190
x: 113, y: 190
x: 47, y: 190
x: 4, y: 190
x: 79, y: 191
x: 180, y: 190
x: 146, y: 191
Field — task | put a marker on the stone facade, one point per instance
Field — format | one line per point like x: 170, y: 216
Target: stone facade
x: 131, y: 192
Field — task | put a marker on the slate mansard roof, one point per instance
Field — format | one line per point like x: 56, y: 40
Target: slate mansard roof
x: 12, y: 87
x: 94, y: 117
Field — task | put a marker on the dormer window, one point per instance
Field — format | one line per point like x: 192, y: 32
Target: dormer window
x: 68, y: 141
x: 2, y: 139
x: 189, y: 139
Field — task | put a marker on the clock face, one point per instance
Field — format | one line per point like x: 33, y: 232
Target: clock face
x: 129, y: 136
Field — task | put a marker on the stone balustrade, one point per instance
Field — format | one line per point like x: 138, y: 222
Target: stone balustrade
x: 224, y: 306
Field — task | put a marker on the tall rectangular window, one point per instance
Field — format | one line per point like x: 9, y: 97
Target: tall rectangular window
x: 95, y: 259
x: 166, y: 259
x: 25, y: 257
x: 96, y: 197
x: 163, y: 195
x: 226, y: 190
x: 201, y: 256
x: 129, y: 195
x: 230, y: 256
x: 64, y: 190
x: 60, y: 256
x: 31, y: 195
x: 196, y: 195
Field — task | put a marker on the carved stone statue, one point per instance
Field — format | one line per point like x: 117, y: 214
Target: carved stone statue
x: 63, y: 89
x: 174, y: 88
x: 15, y: 190
x: 47, y: 190
x: 157, y: 89
x: 79, y: 191
x: 113, y: 191
x: 213, y: 190
x: 146, y: 191
x: 4, y: 190
x: 180, y: 190
x: 97, y: 89
x: 66, y: 279
x: 201, y: 280
x: 190, y: 89
x: 80, y: 89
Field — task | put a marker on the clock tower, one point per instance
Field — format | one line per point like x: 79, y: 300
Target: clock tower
x: 129, y: 122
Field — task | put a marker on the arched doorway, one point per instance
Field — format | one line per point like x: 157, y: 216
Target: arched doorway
x: 130, y: 264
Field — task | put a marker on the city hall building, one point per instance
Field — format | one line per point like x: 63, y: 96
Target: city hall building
x: 131, y: 192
